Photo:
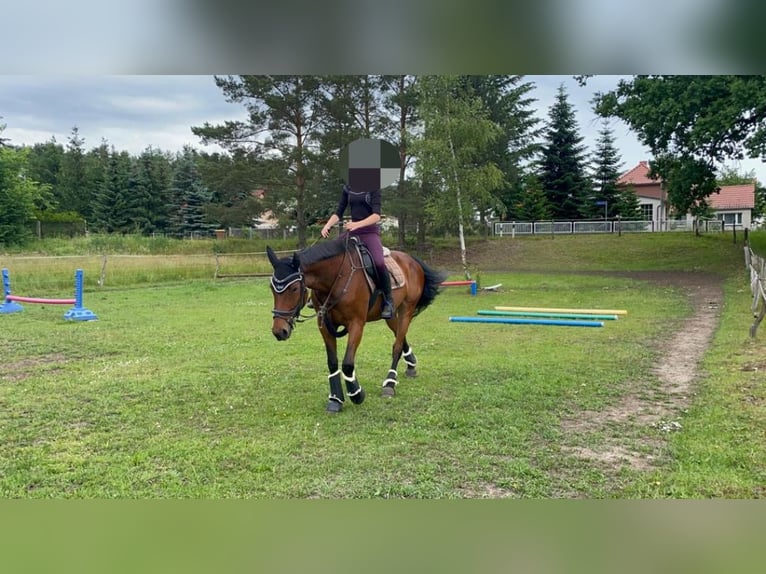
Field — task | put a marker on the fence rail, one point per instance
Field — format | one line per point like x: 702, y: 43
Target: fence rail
x: 513, y: 228
x: 757, y: 267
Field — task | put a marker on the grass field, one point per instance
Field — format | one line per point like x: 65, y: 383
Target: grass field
x: 179, y: 389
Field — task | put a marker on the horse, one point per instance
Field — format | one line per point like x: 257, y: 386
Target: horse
x: 344, y: 298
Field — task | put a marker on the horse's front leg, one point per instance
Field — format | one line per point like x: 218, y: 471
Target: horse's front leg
x: 355, y: 391
x: 335, y: 402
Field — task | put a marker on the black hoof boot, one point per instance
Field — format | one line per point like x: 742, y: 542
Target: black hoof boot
x: 358, y: 397
x: 334, y: 406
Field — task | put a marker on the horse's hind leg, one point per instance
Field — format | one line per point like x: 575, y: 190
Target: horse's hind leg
x: 400, y: 348
x: 335, y: 402
x: 410, y: 360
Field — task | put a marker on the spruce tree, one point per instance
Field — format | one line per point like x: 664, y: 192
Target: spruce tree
x: 534, y: 204
x: 189, y: 196
x: 110, y: 204
x: 509, y: 105
x: 73, y: 189
x: 606, y: 171
x: 562, y: 168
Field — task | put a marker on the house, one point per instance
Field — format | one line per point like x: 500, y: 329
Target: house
x: 732, y: 205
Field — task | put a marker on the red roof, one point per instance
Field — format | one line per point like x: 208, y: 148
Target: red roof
x: 730, y: 196
x: 639, y: 175
x: 733, y: 197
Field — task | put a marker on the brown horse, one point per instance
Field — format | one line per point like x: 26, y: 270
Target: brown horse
x: 345, y: 302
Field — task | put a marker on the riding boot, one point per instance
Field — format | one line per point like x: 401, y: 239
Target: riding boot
x: 384, y: 283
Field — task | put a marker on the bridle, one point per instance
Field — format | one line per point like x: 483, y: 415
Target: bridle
x: 280, y: 286
x: 294, y: 315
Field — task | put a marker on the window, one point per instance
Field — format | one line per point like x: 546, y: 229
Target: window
x: 647, y: 212
x: 731, y: 218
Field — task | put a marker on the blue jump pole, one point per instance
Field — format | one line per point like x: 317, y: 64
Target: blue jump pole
x: 520, y: 321
x: 8, y: 306
x: 78, y: 312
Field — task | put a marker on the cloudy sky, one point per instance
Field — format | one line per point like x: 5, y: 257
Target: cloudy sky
x: 135, y: 112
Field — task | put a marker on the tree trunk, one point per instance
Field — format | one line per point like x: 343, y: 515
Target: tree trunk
x: 461, y: 234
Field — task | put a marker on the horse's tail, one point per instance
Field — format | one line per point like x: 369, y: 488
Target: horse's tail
x: 431, y: 285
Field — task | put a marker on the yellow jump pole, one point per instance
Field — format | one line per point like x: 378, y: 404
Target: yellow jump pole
x: 549, y: 310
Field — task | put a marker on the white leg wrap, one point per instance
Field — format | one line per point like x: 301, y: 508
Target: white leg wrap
x: 408, y: 362
x: 351, y: 378
x: 390, y: 379
x: 331, y: 375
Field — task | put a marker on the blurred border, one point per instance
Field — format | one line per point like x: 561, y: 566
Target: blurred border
x: 396, y: 36
x: 381, y: 536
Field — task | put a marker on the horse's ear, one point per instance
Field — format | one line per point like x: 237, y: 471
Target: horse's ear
x: 296, y: 261
x: 272, y: 256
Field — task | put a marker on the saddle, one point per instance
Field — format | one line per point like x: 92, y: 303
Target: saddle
x: 371, y: 272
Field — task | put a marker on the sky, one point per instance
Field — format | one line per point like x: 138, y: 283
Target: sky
x: 135, y: 112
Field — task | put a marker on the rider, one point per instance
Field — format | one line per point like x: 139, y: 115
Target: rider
x: 365, y: 215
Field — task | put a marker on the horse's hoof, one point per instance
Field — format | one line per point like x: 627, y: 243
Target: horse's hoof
x: 334, y: 407
x: 411, y: 372
x: 388, y: 392
x: 358, y: 398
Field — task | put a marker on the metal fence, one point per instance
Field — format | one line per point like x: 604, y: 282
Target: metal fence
x: 513, y: 228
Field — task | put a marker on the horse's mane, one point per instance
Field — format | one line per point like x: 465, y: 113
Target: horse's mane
x: 322, y: 251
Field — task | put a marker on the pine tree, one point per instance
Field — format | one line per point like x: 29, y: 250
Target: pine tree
x: 288, y: 110
x: 534, y: 204
x: 510, y: 107
x: 606, y: 172
x: 562, y: 168
x: 155, y: 175
x: 110, y: 203
x: 74, y: 190
x: 189, y: 196
x: 138, y: 199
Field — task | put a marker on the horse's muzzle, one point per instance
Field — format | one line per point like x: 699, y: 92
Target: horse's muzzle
x: 281, y: 332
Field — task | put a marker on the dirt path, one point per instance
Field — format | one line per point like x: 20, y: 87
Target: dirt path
x: 633, y: 428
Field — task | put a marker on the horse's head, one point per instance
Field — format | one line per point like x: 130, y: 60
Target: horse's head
x: 289, y: 292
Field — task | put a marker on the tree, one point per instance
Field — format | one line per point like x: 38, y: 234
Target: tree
x: 562, y: 167
x: 533, y: 204
x: 508, y: 104
x: 44, y: 165
x: 232, y: 180
x: 606, y: 170
x: 4, y: 142
x: 74, y: 191
x: 189, y: 196
x: 457, y: 131
x: 350, y: 108
x: 19, y: 196
x: 400, y: 102
x: 691, y: 124
x: 111, y: 200
x: 283, y: 124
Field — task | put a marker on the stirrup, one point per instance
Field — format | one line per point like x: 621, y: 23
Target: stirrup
x: 387, y: 311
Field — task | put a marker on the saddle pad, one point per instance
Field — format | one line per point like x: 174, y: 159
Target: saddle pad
x: 397, y: 276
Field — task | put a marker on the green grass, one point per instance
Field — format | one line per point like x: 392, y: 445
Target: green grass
x: 179, y: 390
